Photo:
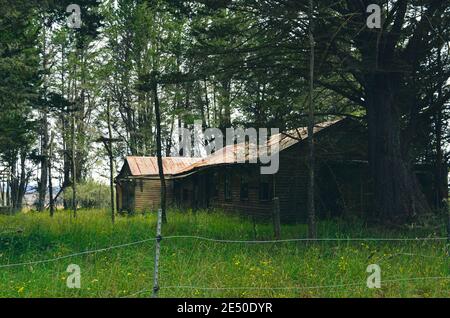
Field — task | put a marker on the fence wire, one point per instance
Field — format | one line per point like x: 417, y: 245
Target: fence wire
x: 173, y: 237
x: 76, y: 254
x: 11, y: 230
x: 388, y: 281
x: 209, y: 239
x: 303, y: 239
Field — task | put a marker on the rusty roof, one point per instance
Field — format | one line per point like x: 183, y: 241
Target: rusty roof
x: 276, y: 143
x: 147, y: 166
x: 293, y: 136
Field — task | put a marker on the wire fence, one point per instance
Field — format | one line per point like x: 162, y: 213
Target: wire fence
x: 158, y: 239
x: 49, y: 260
x: 174, y: 237
x: 10, y: 230
x: 296, y: 288
x: 349, y: 239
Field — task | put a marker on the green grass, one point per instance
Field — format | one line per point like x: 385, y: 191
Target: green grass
x: 264, y: 269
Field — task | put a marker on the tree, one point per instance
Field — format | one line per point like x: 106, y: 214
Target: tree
x: 383, y: 63
x: 311, y: 164
x: 18, y: 85
x: 376, y: 72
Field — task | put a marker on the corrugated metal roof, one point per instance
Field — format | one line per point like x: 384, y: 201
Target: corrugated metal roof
x: 146, y: 166
x: 229, y: 154
x: 293, y: 136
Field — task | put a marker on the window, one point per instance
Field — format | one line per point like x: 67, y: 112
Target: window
x: 185, y: 195
x: 265, y: 188
x: 227, y: 187
x: 215, y: 184
x: 244, y: 187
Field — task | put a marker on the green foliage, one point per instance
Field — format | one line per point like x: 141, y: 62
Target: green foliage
x: 90, y: 194
x: 18, y: 80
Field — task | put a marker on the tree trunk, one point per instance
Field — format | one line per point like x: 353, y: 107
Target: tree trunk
x: 208, y: 122
x: 50, y: 183
x: 65, y: 131
x: 225, y: 104
x: 111, y: 161
x: 42, y: 188
x: 159, y: 152
x: 18, y: 182
x: 397, y: 194
x: 23, y: 181
x: 311, y: 160
x: 74, y: 168
x: 439, y: 172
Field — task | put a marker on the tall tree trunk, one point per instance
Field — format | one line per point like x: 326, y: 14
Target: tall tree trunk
x: 66, y: 158
x: 74, y: 101
x: 65, y: 132
x: 159, y: 152
x: 397, y: 194
x: 50, y: 181
x: 440, y: 173
x: 208, y: 122
x: 215, y: 111
x: 8, y: 190
x: 169, y: 139
x: 23, y: 180
x: 225, y: 104
x: 111, y: 162
x: 74, y: 168
x: 13, y: 184
x: 19, y: 182
x: 42, y: 188
x: 311, y: 160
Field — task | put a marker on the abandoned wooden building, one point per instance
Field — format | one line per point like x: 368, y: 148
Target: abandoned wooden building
x: 219, y: 181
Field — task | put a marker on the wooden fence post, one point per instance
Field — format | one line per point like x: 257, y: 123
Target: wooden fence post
x: 276, y: 218
x: 157, y: 252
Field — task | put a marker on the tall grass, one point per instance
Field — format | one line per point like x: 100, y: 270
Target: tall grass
x: 321, y: 269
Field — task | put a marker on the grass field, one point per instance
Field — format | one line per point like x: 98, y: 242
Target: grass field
x: 211, y: 269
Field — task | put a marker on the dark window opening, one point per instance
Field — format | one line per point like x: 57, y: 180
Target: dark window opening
x: 265, y: 188
x: 185, y: 195
x: 244, y: 188
x: 227, y: 187
x: 215, y: 184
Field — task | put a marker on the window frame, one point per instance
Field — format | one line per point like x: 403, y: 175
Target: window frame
x: 244, y: 180
x: 269, y: 190
x: 227, y: 187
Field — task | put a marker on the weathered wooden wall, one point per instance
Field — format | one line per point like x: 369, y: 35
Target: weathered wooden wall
x: 146, y: 195
x: 199, y: 189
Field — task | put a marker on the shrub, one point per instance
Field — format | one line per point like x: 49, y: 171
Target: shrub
x: 90, y: 194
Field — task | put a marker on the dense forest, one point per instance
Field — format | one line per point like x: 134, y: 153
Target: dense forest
x: 134, y: 66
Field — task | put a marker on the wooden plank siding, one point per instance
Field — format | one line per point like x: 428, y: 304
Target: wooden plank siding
x: 291, y: 185
x: 206, y: 189
x: 250, y: 206
x: 148, y: 194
